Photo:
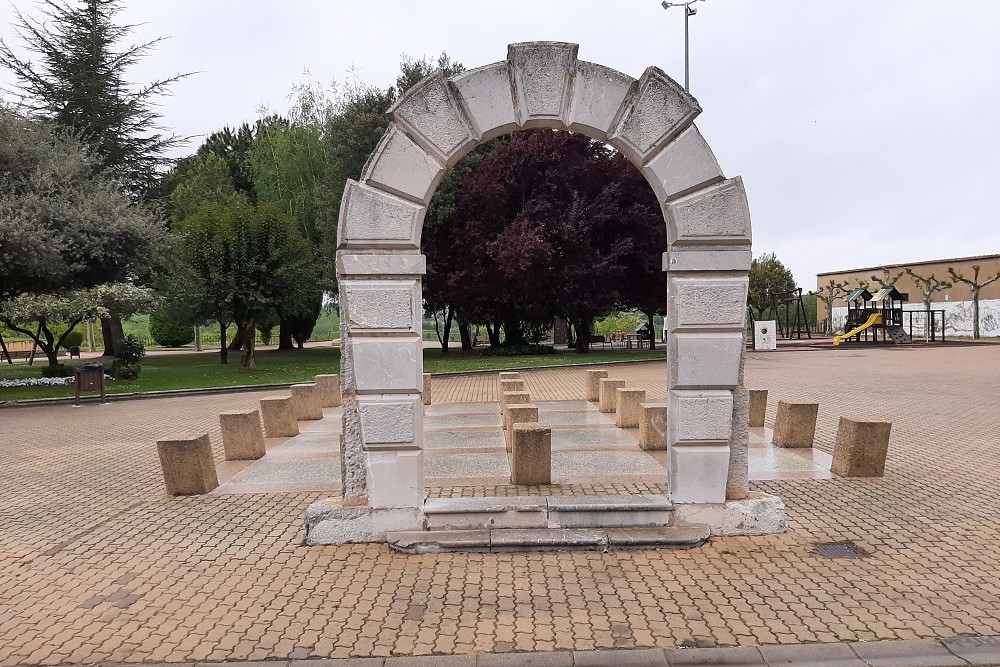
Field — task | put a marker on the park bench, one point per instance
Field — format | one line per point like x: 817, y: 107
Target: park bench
x: 597, y: 339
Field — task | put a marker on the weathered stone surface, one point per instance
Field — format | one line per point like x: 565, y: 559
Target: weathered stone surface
x: 353, y: 469
x: 518, y: 413
x: 343, y: 521
x: 437, y: 541
x: 685, y: 165
x: 698, y: 473
x: 719, y: 259
x: 661, y: 536
x: 655, y: 112
x: 509, y: 375
x: 717, y: 215
x: 374, y: 306
x: 861, y: 448
x: 700, y: 416
x: 306, y: 401
x: 760, y: 514
x: 511, y: 385
x: 426, y: 393
x: 909, y: 653
x: 279, y: 417
x: 594, y: 378
x: 329, y: 390
x: 431, y: 114
x: 628, y: 407
x: 395, y: 478
x: 795, y: 424
x: 186, y: 461
x: 598, y: 94
x: 542, y: 77
x: 607, y: 398
x: 403, y: 168
x: 738, y: 483
x: 375, y: 219
x: 512, y: 398
x: 485, y: 95
x: 706, y: 360
x: 540, y: 538
x: 653, y: 427
x: 706, y: 303
x: 808, y: 655
x: 391, y: 422
x: 380, y: 265
x: 723, y: 656
x: 384, y: 365
x: 531, y: 454
x: 631, y: 658
x: 758, y: 406
x: 242, y: 435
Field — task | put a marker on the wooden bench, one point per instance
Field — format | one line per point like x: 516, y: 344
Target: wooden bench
x: 597, y: 339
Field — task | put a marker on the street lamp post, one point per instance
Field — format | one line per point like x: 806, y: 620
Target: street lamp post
x: 689, y: 11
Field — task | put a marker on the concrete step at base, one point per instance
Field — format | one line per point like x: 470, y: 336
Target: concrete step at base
x: 547, y: 512
x: 502, y: 540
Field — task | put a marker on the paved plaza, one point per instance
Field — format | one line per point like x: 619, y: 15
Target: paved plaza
x: 97, y: 564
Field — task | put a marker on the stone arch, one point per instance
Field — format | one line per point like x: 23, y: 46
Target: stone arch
x: 379, y: 265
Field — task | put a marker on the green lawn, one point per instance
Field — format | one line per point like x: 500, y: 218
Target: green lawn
x: 189, y: 371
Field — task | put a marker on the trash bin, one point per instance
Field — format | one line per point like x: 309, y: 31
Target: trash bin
x: 89, y: 377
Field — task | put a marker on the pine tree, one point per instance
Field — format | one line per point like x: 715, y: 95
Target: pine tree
x: 78, y: 82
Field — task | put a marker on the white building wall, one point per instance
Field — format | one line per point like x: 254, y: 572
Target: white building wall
x: 958, y: 317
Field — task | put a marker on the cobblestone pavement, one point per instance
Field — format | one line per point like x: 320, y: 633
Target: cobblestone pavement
x: 97, y: 564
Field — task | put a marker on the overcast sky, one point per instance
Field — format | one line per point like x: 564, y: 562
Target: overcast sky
x: 866, y: 132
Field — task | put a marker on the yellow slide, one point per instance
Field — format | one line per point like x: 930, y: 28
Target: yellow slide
x: 874, y: 320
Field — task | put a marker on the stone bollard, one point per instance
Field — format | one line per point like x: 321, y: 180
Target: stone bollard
x: 653, y: 427
x: 306, y: 401
x: 426, y: 393
x: 628, y: 410
x: 518, y: 413
x: 607, y: 397
x: 594, y: 385
x: 861, y: 448
x: 278, y: 415
x: 187, y: 464
x: 795, y: 424
x: 329, y: 390
x: 509, y: 375
x: 242, y: 435
x: 512, y: 398
x: 758, y: 406
x: 511, y: 385
x: 531, y: 454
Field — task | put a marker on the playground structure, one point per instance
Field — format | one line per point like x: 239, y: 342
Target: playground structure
x: 788, y: 311
x: 878, y: 318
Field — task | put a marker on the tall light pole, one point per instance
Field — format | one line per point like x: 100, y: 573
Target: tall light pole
x: 689, y: 11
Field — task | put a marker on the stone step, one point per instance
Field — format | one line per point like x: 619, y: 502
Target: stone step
x: 501, y: 540
x: 547, y: 512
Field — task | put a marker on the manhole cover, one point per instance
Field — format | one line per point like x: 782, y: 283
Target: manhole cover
x: 845, y: 549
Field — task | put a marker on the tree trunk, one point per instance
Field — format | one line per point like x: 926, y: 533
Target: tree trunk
x: 285, y: 341
x: 449, y: 315
x: 223, y: 348
x: 582, y: 327
x: 975, y: 313
x: 238, y: 338
x: 465, y: 334
x: 112, y: 332
x: 513, y: 335
x: 249, y: 341
x: 652, y: 330
x: 493, y: 333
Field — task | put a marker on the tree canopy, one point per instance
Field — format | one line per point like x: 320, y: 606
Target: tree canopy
x: 768, y: 276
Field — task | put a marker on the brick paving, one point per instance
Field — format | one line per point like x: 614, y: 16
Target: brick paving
x: 97, y: 564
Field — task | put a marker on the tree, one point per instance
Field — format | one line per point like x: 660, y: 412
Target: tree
x: 829, y: 293
x: 976, y: 287
x: 927, y: 286
x: 768, y: 276
x: 887, y: 280
x: 79, y: 82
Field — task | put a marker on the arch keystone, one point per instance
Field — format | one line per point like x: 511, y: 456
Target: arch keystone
x: 541, y: 82
x: 656, y: 111
x: 429, y: 112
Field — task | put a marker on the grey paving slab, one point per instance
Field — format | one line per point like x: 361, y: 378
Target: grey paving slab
x: 463, y: 439
x: 440, y: 539
x: 907, y: 653
x: 553, y: 659
x: 262, y: 663
x: 610, y: 463
x: 762, y: 459
x: 308, y: 444
x: 547, y: 537
x: 811, y: 655
x: 487, y: 504
x: 614, y: 503
x: 568, y: 437
x: 288, y: 471
x: 337, y: 662
x: 977, y: 650
x: 482, y: 464
x: 462, y: 420
x: 636, y: 658
x: 559, y: 406
x: 728, y: 656
x: 561, y: 417
x: 433, y: 661
x: 471, y: 408
x: 665, y: 536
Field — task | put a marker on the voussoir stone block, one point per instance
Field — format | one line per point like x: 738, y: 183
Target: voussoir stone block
x: 518, y: 413
x: 403, y: 168
x: 795, y: 424
x: 706, y: 303
x: 758, y: 406
x: 700, y: 416
x: 329, y: 390
x: 307, y: 401
x: 242, y: 435
x: 686, y: 164
x: 485, y: 96
x: 607, y: 399
x: 598, y: 94
x: 861, y: 448
x: 279, y: 416
x: 704, y: 359
x: 542, y: 77
x: 594, y: 378
x: 628, y: 407
x: 186, y: 460
x: 392, y: 421
x: 653, y: 427
x: 375, y: 219
x: 656, y: 111
x: 433, y: 117
x: 531, y: 454
x: 426, y: 393
x: 716, y: 215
